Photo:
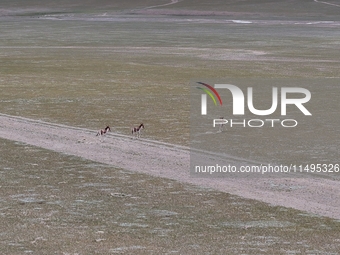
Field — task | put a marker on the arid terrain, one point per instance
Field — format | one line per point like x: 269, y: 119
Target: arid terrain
x: 314, y: 195
x: 71, y: 68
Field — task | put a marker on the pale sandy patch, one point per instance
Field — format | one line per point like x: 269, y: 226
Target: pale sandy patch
x: 314, y: 195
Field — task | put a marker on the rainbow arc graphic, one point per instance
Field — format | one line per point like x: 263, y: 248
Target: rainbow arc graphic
x: 211, y: 91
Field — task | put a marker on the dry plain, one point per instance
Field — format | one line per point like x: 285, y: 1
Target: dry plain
x: 85, y: 66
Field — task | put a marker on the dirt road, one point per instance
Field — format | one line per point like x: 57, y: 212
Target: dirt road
x: 314, y: 195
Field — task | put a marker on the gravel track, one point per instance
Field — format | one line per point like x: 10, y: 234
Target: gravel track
x: 314, y: 195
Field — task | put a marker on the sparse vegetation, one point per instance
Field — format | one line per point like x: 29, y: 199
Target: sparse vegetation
x: 87, y: 64
x: 53, y: 203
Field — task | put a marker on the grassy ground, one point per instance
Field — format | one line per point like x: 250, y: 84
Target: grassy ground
x: 58, y: 204
x: 94, y: 73
x: 265, y: 8
x: 121, y: 73
x: 48, y: 7
x: 307, y: 9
